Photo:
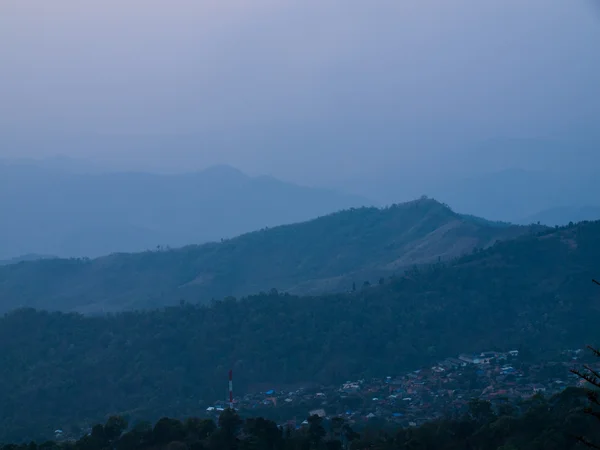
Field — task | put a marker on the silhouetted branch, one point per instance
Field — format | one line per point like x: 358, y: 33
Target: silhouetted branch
x: 593, y: 413
x: 592, y: 371
x: 591, y: 378
x: 597, y: 282
x: 587, y: 443
x: 593, y: 397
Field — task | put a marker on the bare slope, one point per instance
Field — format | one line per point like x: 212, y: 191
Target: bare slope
x: 323, y: 255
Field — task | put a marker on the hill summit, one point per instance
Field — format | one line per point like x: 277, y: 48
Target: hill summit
x: 329, y: 254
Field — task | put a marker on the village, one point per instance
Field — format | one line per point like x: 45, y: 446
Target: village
x: 505, y: 379
x: 411, y: 399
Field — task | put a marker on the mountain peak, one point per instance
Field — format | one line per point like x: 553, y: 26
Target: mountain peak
x: 165, y: 209
x: 327, y: 254
x: 223, y: 170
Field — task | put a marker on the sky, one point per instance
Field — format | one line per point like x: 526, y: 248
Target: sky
x: 308, y: 90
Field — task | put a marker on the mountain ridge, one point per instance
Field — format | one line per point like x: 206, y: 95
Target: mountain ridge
x: 563, y: 215
x: 328, y: 254
x: 23, y: 258
x: 94, y: 214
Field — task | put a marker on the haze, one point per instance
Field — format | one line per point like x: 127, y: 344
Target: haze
x: 315, y: 92
x: 383, y: 216
x: 490, y: 107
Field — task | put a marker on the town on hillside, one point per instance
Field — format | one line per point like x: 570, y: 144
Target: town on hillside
x: 411, y: 399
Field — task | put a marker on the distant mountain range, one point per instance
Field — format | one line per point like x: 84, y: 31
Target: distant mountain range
x: 328, y: 254
x: 511, y: 180
x: 76, y: 213
x: 29, y: 257
x: 563, y: 215
x: 76, y: 208
x: 519, y: 196
x: 512, y: 195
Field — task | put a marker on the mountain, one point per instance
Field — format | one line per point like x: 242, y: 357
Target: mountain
x: 563, y: 215
x: 74, y: 213
x: 30, y: 257
x: 532, y: 293
x: 327, y: 254
x: 505, y: 195
x: 513, y: 194
x: 500, y: 179
x: 58, y: 163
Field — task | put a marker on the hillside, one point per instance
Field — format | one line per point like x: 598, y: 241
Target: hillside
x: 328, y: 254
x: 95, y: 214
x: 532, y: 293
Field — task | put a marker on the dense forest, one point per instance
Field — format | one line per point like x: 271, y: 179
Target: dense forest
x: 328, y: 254
x: 538, y: 424
x: 58, y: 368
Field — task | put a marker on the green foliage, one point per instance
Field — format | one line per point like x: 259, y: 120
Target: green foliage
x: 61, y: 370
x: 550, y: 425
x: 328, y: 254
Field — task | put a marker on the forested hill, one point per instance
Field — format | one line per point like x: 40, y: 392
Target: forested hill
x: 534, y: 291
x: 328, y: 254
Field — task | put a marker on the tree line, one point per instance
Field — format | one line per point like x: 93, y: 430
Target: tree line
x: 556, y: 423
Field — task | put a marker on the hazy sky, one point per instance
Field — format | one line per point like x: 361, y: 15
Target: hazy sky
x: 299, y: 88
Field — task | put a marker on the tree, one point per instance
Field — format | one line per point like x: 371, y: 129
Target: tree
x: 264, y: 434
x: 114, y: 428
x: 225, y: 438
x: 592, y: 377
x: 98, y: 433
x: 350, y: 435
x: 481, y: 411
x: 230, y: 422
x: 506, y: 409
x: 168, y: 430
x: 337, y: 426
x: 96, y: 440
x: 135, y: 438
x: 177, y: 445
x: 316, y: 432
x: 199, y: 428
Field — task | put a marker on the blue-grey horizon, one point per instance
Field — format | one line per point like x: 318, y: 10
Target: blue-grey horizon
x: 305, y: 90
